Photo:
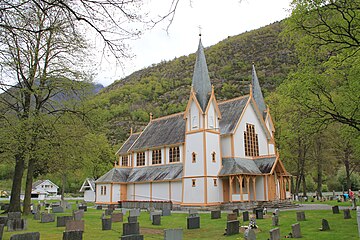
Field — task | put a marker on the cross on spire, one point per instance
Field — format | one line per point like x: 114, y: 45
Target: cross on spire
x: 199, y: 30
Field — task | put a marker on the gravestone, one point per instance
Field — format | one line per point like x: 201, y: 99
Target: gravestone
x: 193, y: 213
x: 216, y: 214
x: 2, y: 226
x: 295, y: 230
x: 99, y: 207
x: 324, y: 225
x: 3, y: 220
x: 232, y: 227
x: 106, y: 223
x: 57, y: 209
x: 300, y: 216
x: 14, y: 215
x: 249, y: 234
x: 73, y: 235
x: 37, y: 216
x: 335, y: 210
x: 61, y: 220
x: 275, y: 234
x: 193, y: 222
x: 358, y: 218
x: 75, y: 225
x: 131, y: 228
x: 156, y: 220
x: 154, y: 213
x: 134, y: 213
x: 132, y: 219
x: 275, y: 220
x: 16, y: 225
x: 150, y: 209
x: 132, y: 237
x: 112, y: 207
x: 108, y: 211
x: 245, y: 216
x: 166, y: 212
x: 173, y: 234
x: 277, y: 211
x: 47, y: 217
x: 117, y: 217
x: 78, y: 215
x: 26, y: 236
x: 347, y: 214
x: 231, y: 217
x: 236, y: 211
x: 83, y: 207
x: 124, y: 211
x: 259, y: 214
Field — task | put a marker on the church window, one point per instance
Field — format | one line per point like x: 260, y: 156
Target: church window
x: 251, y: 141
x: 194, y: 157
x: 103, y: 190
x: 211, y: 122
x: 194, y: 122
x: 156, y: 156
x: 125, y: 160
x: 193, y: 183
x: 140, y: 159
x: 213, y: 156
x: 174, y: 154
x: 215, y: 182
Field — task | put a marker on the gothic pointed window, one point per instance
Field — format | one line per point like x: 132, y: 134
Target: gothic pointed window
x: 194, y: 122
x: 251, y: 142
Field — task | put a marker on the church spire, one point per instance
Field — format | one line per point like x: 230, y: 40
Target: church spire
x: 201, y: 80
x: 256, y: 92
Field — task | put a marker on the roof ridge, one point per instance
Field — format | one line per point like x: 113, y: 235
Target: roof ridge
x: 167, y: 116
x: 234, y: 99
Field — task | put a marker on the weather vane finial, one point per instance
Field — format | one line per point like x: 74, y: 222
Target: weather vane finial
x: 199, y: 31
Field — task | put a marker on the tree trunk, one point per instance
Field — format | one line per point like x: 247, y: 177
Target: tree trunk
x: 28, y: 187
x: 318, y: 156
x: 63, y: 187
x: 16, y: 183
x: 347, y: 154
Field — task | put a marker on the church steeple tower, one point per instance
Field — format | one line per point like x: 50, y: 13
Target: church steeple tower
x: 256, y: 92
x: 201, y: 80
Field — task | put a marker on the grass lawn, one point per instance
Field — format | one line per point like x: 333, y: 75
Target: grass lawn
x: 210, y: 229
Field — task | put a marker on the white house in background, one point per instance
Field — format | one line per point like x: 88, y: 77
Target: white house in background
x: 88, y: 188
x: 45, y: 186
x: 212, y: 153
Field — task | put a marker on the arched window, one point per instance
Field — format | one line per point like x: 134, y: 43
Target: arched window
x: 194, y: 157
x: 251, y: 142
x: 213, y: 156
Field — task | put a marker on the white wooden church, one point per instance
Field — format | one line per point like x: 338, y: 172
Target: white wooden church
x: 212, y: 153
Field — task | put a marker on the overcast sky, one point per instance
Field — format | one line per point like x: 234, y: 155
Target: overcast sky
x: 218, y: 20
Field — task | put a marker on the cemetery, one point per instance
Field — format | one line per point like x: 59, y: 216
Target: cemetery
x: 98, y: 223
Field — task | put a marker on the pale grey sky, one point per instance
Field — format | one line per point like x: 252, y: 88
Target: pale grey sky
x: 218, y: 20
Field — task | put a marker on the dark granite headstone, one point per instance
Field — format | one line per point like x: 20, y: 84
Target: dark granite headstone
x: 132, y: 219
x: 78, y: 215
x: 26, y: 236
x: 156, y: 220
x: 275, y: 220
x: 75, y: 225
x: 61, y: 220
x: 236, y: 211
x: 216, y: 214
x: 3, y: 220
x: 131, y: 228
x: 347, y: 214
x: 37, y: 216
x: 83, y: 207
x: 2, y: 226
x: 231, y: 217
x: 47, y: 217
x: 16, y: 225
x: 99, y: 207
x: 232, y: 227
x: 296, y: 232
x: 300, y: 216
x: 73, y: 235
x: 117, y: 217
x: 14, y: 215
x: 275, y: 234
x: 173, y: 234
x: 249, y: 234
x: 193, y: 222
x: 133, y: 237
x: 245, y: 216
x: 324, y: 225
x: 106, y: 223
x: 166, y: 212
x: 108, y: 211
x: 112, y: 207
x: 335, y: 210
x: 154, y: 213
x: 259, y: 213
x: 58, y: 209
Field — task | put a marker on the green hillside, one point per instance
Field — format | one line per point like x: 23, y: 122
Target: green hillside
x: 164, y: 88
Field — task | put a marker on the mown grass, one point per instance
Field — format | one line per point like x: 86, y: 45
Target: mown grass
x: 210, y: 229
x: 347, y: 203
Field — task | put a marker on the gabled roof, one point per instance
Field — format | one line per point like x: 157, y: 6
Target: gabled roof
x: 247, y: 166
x: 88, y: 183
x: 231, y: 111
x: 143, y: 174
x: 257, y: 94
x: 39, y: 182
x: 201, y: 80
x: 162, y: 131
x: 129, y: 142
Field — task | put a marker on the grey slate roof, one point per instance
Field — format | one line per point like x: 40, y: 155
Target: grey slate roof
x: 257, y: 94
x: 246, y: 166
x: 230, y: 113
x: 143, y: 174
x: 201, y: 80
x: 129, y: 142
x: 162, y: 131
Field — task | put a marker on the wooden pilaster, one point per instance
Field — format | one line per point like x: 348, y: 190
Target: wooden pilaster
x: 248, y: 186
x: 240, y: 179
x: 254, y: 186
x: 231, y: 187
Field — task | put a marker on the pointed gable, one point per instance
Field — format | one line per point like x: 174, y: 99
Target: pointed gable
x: 128, y: 143
x: 201, y: 80
x: 257, y: 94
